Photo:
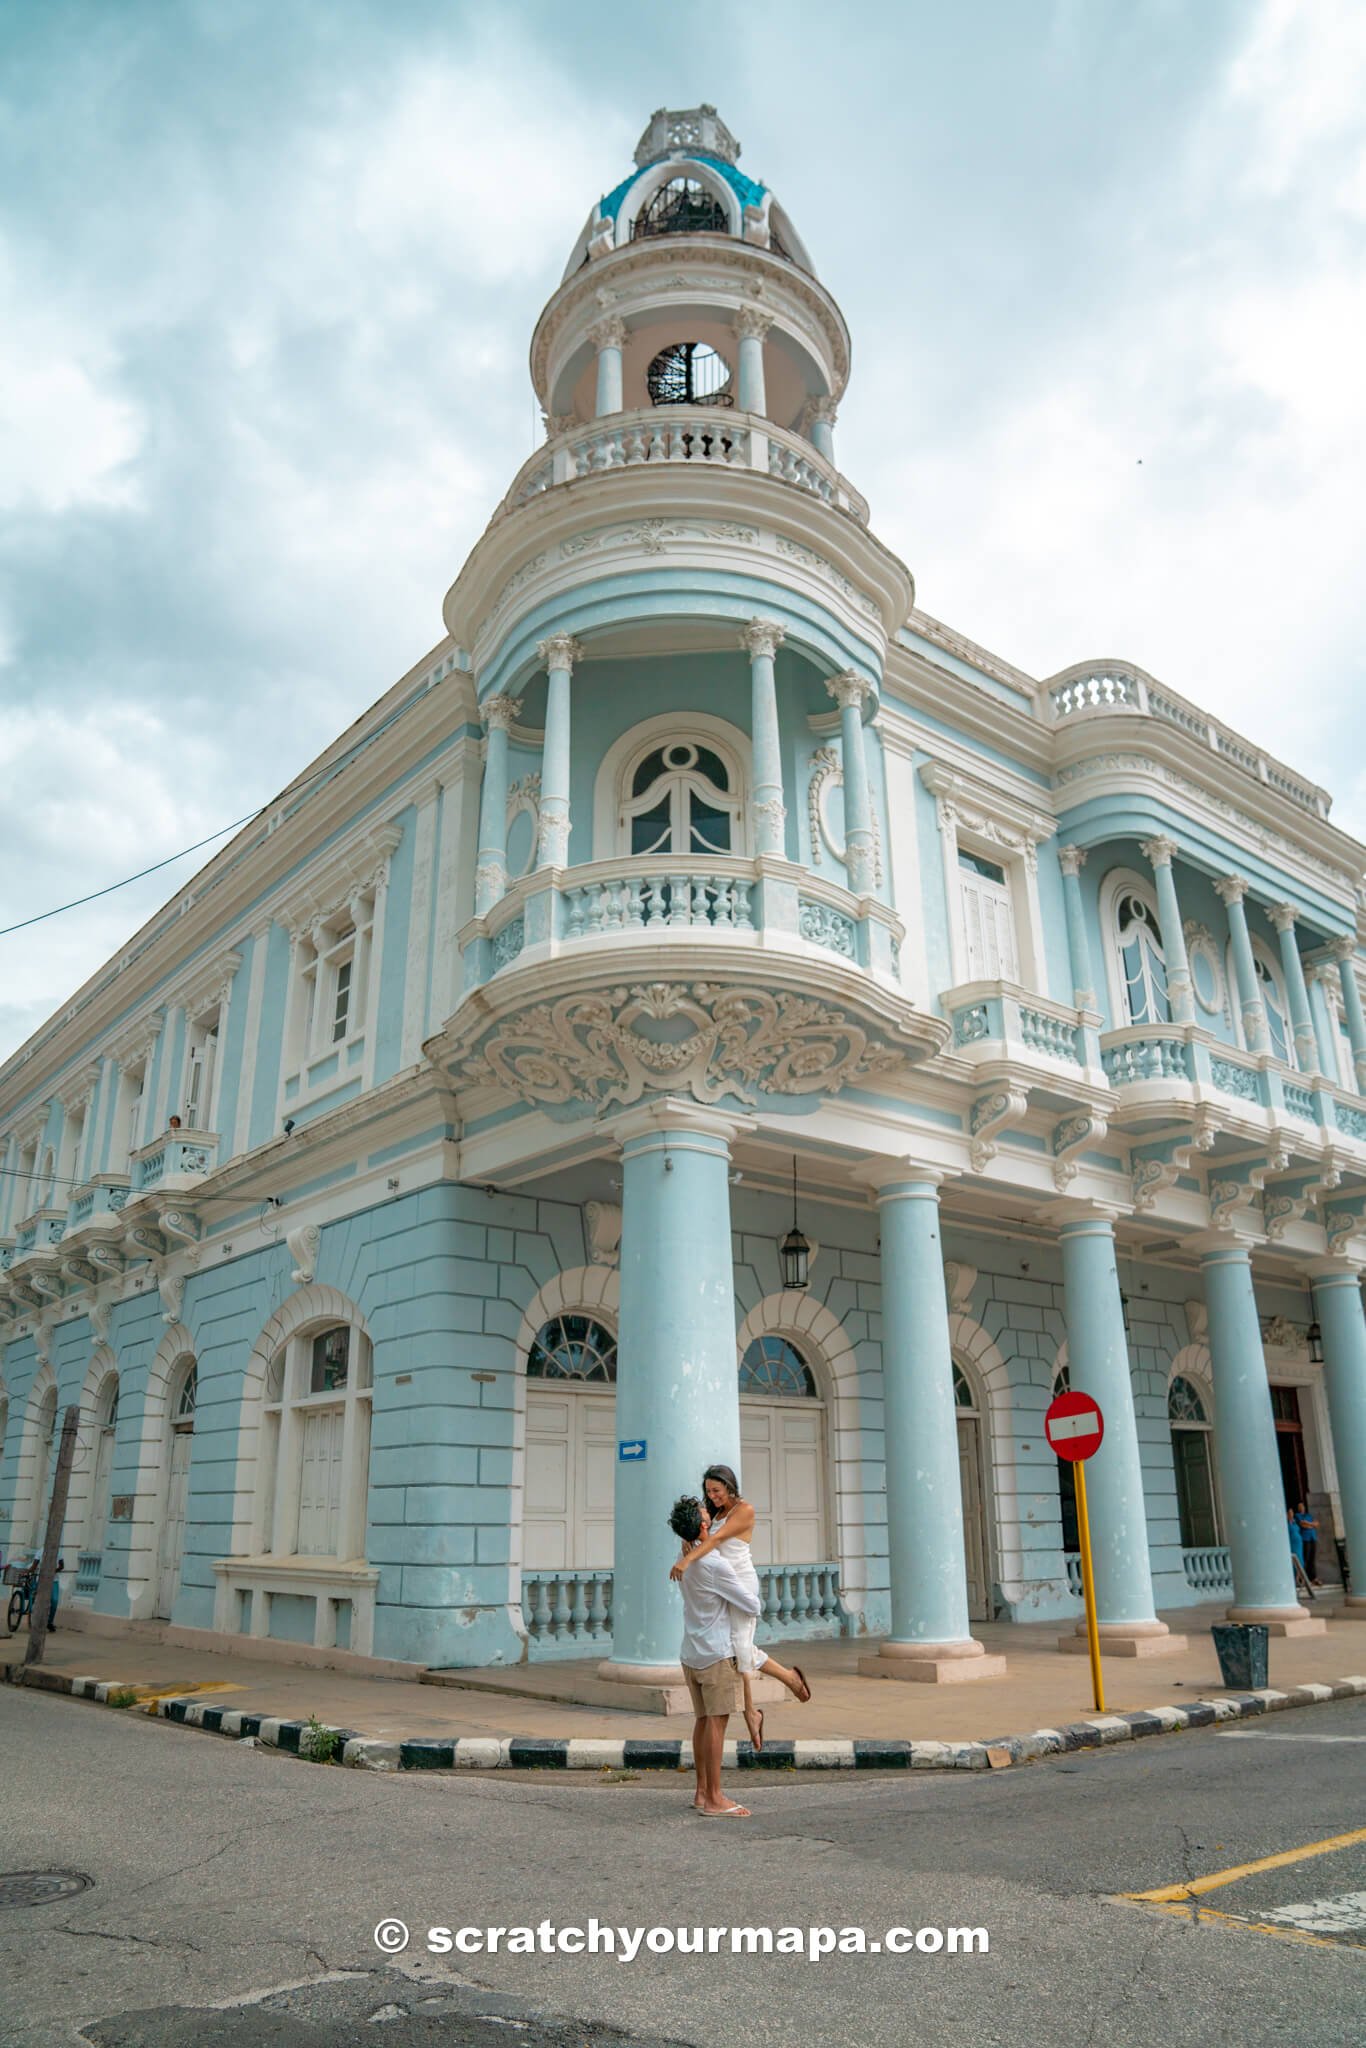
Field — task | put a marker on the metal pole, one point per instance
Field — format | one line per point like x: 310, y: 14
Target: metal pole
x: 1088, y: 1585
x: 52, y: 1542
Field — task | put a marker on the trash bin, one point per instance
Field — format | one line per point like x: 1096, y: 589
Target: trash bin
x: 1241, y: 1649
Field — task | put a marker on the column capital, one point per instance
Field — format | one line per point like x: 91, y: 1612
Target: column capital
x: 608, y: 333
x: 1282, y: 916
x: 1328, y: 1272
x: 752, y: 323
x: 849, y: 689
x: 500, y: 713
x: 1343, y: 948
x: 882, y: 1176
x: 1231, y: 889
x: 1075, y: 1212
x: 826, y: 409
x: 1221, y: 1247
x: 762, y: 636
x: 668, y: 1115
x: 1159, y: 852
x: 560, y: 650
x: 1071, y: 859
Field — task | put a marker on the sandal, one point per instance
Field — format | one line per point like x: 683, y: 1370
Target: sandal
x: 797, y: 1672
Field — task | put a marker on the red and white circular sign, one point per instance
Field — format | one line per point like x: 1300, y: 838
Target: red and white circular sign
x: 1074, y: 1426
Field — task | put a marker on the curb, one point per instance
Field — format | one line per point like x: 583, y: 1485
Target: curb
x: 580, y: 1753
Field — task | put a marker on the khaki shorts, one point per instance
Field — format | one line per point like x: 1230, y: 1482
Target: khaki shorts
x: 718, y: 1689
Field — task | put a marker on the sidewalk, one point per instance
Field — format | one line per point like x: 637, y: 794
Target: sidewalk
x: 1042, y: 1690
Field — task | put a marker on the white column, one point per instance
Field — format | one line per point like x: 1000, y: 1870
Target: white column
x: 822, y: 414
x: 559, y: 653
x: 1345, y: 953
x: 768, y: 813
x: 1296, y: 988
x: 491, y: 867
x: 609, y: 339
x: 1159, y: 853
x: 851, y: 692
x: 1232, y: 889
x: 752, y: 325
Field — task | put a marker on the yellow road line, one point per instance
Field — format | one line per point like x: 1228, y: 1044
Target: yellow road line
x: 1195, y: 1887
x: 1299, y: 1934
x: 148, y: 1695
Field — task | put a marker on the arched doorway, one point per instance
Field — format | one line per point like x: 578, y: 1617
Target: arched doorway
x: 1197, y: 1503
x: 975, y: 1552
x: 44, y: 1439
x: 106, y: 1427
x: 782, y: 1442
x: 570, y: 1445
x: 177, y: 1453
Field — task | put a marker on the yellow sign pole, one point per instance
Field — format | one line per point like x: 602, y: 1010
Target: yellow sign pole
x: 1088, y: 1585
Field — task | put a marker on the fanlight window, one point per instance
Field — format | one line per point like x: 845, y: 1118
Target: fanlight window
x: 573, y: 1348
x: 681, y: 801
x: 773, y: 1366
x: 1144, y: 963
x: 185, y: 1405
x: 962, y: 1392
x: 1184, y: 1403
x: 331, y: 1355
x: 689, y: 373
x: 685, y: 206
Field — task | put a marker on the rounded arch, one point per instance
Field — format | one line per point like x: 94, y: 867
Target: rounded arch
x: 823, y: 1343
x: 652, y: 180
x: 1193, y: 1363
x: 986, y: 1371
x: 1195, y: 1472
x: 307, y: 1305
x: 1136, y: 979
x: 149, y: 1487
x: 35, y: 1459
x: 611, y: 781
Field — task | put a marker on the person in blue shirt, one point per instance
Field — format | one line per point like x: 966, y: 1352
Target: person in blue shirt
x: 1309, y: 1538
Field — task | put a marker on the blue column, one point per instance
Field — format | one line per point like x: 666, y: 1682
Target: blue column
x: 851, y: 692
x: 1345, y: 953
x: 1245, y: 1445
x: 822, y: 415
x: 1232, y: 889
x: 930, y: 1636
x: 559, y: 654
x: 678, y: 1383
x: 491, y: 866
x: 763, y: 637
x: 609, y: 339
x: 752, y: 326
x: 1098, y: 1365
x: 1071, y: 859
x: 1296, y: 988
x: 1160, y: 853
x: 1337, y: 1304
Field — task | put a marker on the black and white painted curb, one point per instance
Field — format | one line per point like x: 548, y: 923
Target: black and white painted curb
x: 586, y: 1753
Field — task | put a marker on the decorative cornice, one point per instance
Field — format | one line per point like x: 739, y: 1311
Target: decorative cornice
x: 357, y: 868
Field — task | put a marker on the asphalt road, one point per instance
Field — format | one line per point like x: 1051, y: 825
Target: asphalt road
x: 236, y: 1891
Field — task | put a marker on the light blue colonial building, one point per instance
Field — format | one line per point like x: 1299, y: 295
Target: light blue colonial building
x: 707, y: 1009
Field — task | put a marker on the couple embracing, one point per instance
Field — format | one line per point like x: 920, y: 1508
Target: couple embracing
x: 720, y: 1587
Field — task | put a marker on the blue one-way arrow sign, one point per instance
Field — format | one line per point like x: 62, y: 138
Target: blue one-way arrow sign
x: 632, y: 1450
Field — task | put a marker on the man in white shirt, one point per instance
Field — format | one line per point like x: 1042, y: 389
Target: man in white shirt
x: 712, y: 1593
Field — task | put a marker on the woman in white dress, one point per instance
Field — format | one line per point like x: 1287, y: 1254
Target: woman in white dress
x: 731, y: 1533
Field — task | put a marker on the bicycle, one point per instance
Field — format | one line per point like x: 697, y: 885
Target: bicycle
x: 24, y: 1579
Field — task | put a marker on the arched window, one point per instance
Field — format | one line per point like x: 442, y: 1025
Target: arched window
x: 1196, y: 1500
x: 106, y: 1427
x: 573, y: 1348
x: 772, y: 1366
x: 315, y: 1455
x: 962, y: 1392
x: 1280, y: 1034
x: 1142, y: 960
x: 176, y: 1455
x: 44, y: 1444
x: 689, y: 373
x: 681, y: 799
x: 683, y: 206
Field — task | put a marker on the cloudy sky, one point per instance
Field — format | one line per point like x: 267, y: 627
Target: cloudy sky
x: 268, y: 273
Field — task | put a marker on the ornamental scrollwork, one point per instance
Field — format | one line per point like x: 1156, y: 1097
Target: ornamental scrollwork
x: 614, y: 1046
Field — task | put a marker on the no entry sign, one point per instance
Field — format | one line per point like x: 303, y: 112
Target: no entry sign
x: 1074, y: 1427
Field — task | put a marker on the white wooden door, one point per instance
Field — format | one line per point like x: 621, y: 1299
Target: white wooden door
x: 974, y: 1527
x: 320, y: 1482
x: 570, y: 1480
x: 988, y: 920
x: 172, y: 1553
x: 98, y: 1513
x: 782, y: 1455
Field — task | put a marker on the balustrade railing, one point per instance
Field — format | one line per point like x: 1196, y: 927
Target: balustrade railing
x: 88, y: 1567
x: 991, y: 1016
x: 661, y: 434
x: 1208, y: 1570
x: 1152, y: 1056
x: 801, y: 1599
x: 179, y: 1156
x: 640, y: 902
x: 1072, y: 1559
x: 567, y: 1613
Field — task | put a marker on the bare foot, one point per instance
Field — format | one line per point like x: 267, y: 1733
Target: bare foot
x: 754, y: 1721
x: 804, y: 1695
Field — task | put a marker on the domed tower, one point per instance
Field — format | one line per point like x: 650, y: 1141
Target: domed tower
x: 683, y: 928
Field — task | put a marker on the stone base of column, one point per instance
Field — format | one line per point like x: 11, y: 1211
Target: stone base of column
x: 1354, y: 1603
x: 1126, y: 1639
x: 933, y: 1663
x: 1282, y: 1621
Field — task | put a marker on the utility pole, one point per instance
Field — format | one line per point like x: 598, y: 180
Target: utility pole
x: 52, y: 1542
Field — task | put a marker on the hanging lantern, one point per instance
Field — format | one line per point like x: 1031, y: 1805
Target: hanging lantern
x: 794, y: 1250
x: 1314, y: 1336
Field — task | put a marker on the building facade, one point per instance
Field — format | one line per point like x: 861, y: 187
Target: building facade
x: 706, y: 1009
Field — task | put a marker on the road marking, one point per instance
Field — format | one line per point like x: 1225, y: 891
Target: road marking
x: 1297, y: 1934
x: 148, y: 1695
x: 1196, y: 1887
x: 1324, y: 1916
x: 1265, y: 1735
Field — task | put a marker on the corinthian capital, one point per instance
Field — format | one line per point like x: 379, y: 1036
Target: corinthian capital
x: 823, y: 409
x: 849, y: 689
x: 1343, y: 948
x: 1282, y: 916
x: 500, y: 713
x: 609, y: 333
x: 561, y: 650
x: 752, y: 323
x: 763, y: 636
x: 1159, y: 853
x: 1071, y: 859
x: 1230, y: 888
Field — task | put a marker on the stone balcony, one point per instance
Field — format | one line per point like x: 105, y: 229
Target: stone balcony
x: 1164, y: 1070
x: 99, y: 1203
x: 707, y: 436
x: 998, y: 1026
x: 174, y: 1162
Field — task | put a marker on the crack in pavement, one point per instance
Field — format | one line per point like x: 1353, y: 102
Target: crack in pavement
x: 144, y: 1940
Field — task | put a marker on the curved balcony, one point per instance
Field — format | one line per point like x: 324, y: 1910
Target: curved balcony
x: 705, y: 435
x: 1160, y: 1071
